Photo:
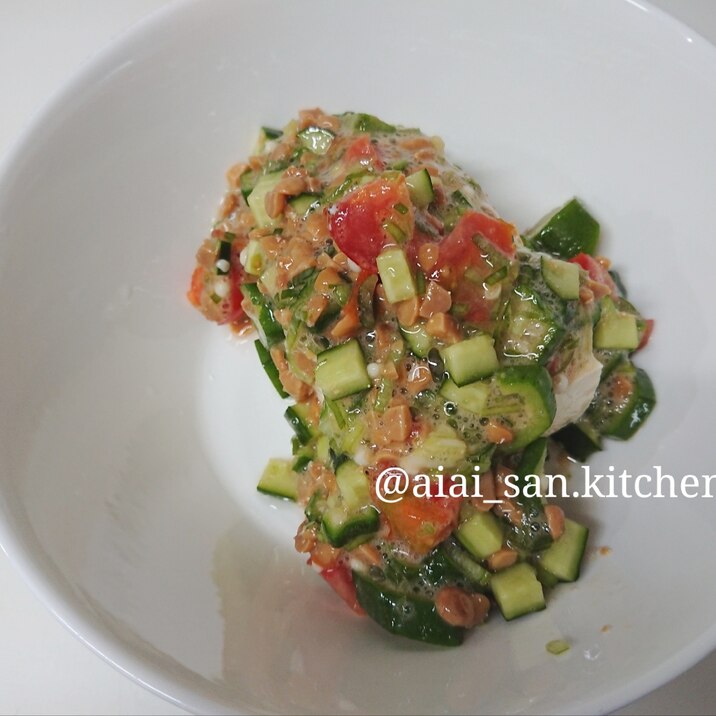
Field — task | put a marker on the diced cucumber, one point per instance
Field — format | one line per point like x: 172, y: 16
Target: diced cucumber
x: 323, y: 449
x: 353, y: 485
x: 316, y: 139
x: 472, y: 397
x: 343, y: 526
x: 270, y: 367
x: 616, y: 330
x: 269, y: 278
x: 532, y: 534
x: 609, y: 360
x: 441, y: 447
x: 341, y: 370
x: 297, y: 417
x: 223, y: 255
x: 253, y: 258
x: 476, y: 575
x: 405, y: 614
x: 579, y: 439
x: 351, y: 437
x: 532, y: 333
x: 434, y: 571
x: 564, y: 558
x: 315, y: 507
x: 395, y: 274
x: 304, y: 203
x: 353, y: 180
x: 367, y: 123
x: 547, y: 579
x: 481, y: 534
x: 518, y: 591
x: 257, y: 198
x: 532, y: 461
x: 562, y: 277
x: 266, y: 323
x: 301, y: 463
x: 471, y: 359
x: 279, y: 479
x: 247, y: 182
x: 569, y: 231
x: 418, y: 339
x: 526, y: 390
x: 420, y: 186
x: 623, y: 401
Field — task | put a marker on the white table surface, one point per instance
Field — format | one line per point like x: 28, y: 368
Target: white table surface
x: 43, y: 668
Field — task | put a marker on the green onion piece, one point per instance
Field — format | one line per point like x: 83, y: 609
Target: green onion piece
x: 459, y: 198
x: 496, y: 276
x: 271, y: 133
x: 395, y: 231
x: 385, y: 393
x: 420, y: 283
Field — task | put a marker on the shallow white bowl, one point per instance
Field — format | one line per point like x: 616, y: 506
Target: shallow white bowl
x: 132, y: 432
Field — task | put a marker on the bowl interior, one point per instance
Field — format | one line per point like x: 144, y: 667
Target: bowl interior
x: 132, y: 433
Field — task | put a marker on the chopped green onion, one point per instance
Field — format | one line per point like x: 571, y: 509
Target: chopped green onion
x: 459, y: 198
x: 385, y: 393
x: 420, y: 283
x: 496, y: 276
x: 395, y: 231
x: 271, y: 133
x: 401, y: 208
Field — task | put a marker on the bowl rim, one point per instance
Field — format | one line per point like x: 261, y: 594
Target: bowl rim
x: 42, y: 576
x: 51, y: 589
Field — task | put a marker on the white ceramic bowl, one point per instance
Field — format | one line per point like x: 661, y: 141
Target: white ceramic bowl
x: 132, y: 432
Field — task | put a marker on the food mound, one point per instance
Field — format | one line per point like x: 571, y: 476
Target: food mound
x: 421, y: 340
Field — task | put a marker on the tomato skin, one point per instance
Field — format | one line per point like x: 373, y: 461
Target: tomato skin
x: 596, y: 271
x: 473, y: 223
x: 423, y: 522
x: 356, y: 221
x: 341, y: 581
x: 235, y: 314
x: 363, y: 151
x: 458, y: 252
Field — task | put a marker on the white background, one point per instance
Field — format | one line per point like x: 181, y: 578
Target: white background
x: 43, y: 668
